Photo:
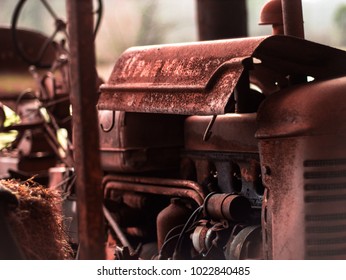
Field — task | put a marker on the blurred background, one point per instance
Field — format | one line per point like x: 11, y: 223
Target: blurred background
x: 128, y: 23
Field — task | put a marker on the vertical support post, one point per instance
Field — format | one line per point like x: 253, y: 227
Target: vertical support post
x: 292, y: 12
x: 85, y: 129
x: 221, y: 19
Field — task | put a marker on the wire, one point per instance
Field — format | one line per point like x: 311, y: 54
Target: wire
x: 98, y: 11
x: 193, y: 217
x: 168, y: 238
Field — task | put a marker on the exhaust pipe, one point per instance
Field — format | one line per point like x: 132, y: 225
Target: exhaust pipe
x: 292, y: 13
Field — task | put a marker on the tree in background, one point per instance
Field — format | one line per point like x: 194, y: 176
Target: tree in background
x: 340, y: 21
x: 152, y: 28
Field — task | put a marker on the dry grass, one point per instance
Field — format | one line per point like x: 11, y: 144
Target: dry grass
x: 37, y: 221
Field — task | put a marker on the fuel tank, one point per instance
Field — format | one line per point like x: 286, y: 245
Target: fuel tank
x: 138, y: 142
x: 302, y: 133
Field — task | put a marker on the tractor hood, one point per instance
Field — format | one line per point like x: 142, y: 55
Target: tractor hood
x: 200, y: 78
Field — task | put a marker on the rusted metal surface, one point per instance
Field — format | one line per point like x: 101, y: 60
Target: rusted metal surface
x: 303, y: 145
x: 30, y: 41
x: 174, y: 79
x: 292, y: 12
x: 221, y: 19
x: 135, y: 142
x: 85, y: 129
x: 116, y: 228
x: 11, y: 64
x: 229, y: 133
x: 302, y: 110
x: 247, y: 244
x: 227, y: 207
x: 175, y: 214
x: 271, y: 13
x: 161, y: 186
x: 200, y: 78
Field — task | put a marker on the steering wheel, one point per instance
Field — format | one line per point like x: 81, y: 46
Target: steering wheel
x: 60, y: 27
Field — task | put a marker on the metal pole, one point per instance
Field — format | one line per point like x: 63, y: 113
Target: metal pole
x: 292, y: 12
x: 221, y: 19
x: 85, y: 129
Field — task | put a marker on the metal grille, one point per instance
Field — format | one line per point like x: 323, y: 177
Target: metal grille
x: 325, y: 208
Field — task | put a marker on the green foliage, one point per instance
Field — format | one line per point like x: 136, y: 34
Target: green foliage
x: 340, y: 16
x: 340, y: 21
x: 152, y: 28
x: 8, y: 137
